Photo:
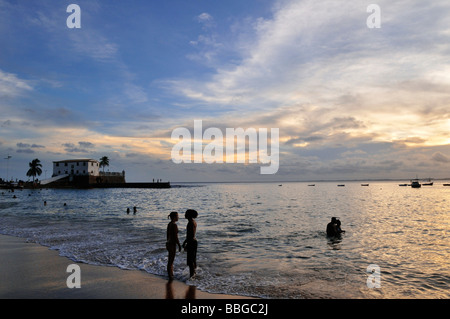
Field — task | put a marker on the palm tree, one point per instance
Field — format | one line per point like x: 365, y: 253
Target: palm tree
x: 104, y: 161
x: 35, y: 168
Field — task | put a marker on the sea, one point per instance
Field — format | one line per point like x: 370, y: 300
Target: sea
x: 264, y: 240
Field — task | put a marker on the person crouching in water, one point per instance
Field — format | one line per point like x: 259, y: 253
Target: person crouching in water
x: 334, y: 228
x: 172, y: 242
x: 190, y: 244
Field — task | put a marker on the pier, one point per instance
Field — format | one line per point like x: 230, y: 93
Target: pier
x: 132, y: 185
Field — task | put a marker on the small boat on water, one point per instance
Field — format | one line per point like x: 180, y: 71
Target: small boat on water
x: 415, y: 183
x: 341, y: 185
x: 428, y: 183
x: 312, y: 185
x: 364, y: 184
x: 446, y: 184
x: 403, y: 184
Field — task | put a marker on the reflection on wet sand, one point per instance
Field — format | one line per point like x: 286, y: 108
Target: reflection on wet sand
x: 190, y: 291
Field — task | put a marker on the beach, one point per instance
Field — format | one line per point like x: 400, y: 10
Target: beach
x: 254, y: 239
x: 32, y: 271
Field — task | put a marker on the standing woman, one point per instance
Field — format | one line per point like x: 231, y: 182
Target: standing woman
x: 172, y: 242
x: 190, y: 244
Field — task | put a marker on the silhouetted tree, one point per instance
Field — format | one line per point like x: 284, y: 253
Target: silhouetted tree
x: 35, y: 168
x: 104, y: 161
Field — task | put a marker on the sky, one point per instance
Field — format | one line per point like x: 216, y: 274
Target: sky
x: 350, y: 101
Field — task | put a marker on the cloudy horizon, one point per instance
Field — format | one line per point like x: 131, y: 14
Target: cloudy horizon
x: 350, y: 102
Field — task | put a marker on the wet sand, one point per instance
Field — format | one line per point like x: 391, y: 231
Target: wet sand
x: 32, y: 271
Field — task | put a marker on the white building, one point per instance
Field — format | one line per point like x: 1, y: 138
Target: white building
x: 76, y: 167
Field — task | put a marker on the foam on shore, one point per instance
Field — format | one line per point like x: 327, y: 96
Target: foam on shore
x: 31, y: 271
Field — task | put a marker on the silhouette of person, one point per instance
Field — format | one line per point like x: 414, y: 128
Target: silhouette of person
x: 134, y: 210
x: 169, y: 290
x: 128, y: 210
x: 338, y: 227
x: 332, y: 228
x: 172, y: 242
x: 190, y: 244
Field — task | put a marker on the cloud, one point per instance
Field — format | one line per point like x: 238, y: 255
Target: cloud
x: 26, y: 145
x: 135, y: 93
x: 439, y: 157
x: 25, y: 150
x: 83, y: 147
x: 86, y: 144
x: 319, y: 62
x: 6, y: 123
x: 11, y: 85
x: 205, y: 18
x: 347, y: 99
x: 207, y: 44
x: 37, y: 146
x: 94, y: 45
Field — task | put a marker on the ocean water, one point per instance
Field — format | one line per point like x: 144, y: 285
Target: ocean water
x: 255, y: 239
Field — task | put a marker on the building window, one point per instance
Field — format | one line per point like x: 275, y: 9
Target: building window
x: 57, y: 164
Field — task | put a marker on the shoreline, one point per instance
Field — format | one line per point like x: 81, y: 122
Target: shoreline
x: 32, y: 271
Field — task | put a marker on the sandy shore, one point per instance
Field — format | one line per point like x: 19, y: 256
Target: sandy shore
x: 32, y: 271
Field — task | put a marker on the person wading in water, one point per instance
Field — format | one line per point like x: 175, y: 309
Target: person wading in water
x: 190, y: 244
x: 172, y: 242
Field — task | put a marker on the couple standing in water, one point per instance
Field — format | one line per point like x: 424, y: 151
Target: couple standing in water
x: 189, y: 245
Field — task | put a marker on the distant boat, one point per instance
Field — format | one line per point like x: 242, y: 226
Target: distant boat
x: 446, y: 184
x: 403, y: 185
x: 341, y: 185
x: 364, y: 184
x: 415, y: 183
x: 430, y: 183
x: 312, y: 185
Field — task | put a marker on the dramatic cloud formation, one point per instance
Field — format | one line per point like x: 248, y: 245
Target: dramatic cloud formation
x: 349, y: 101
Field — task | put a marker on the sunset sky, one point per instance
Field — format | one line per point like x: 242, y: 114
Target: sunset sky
x: 350, y: 102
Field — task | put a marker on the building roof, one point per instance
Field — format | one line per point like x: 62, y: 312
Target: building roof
x: 76, y: 160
